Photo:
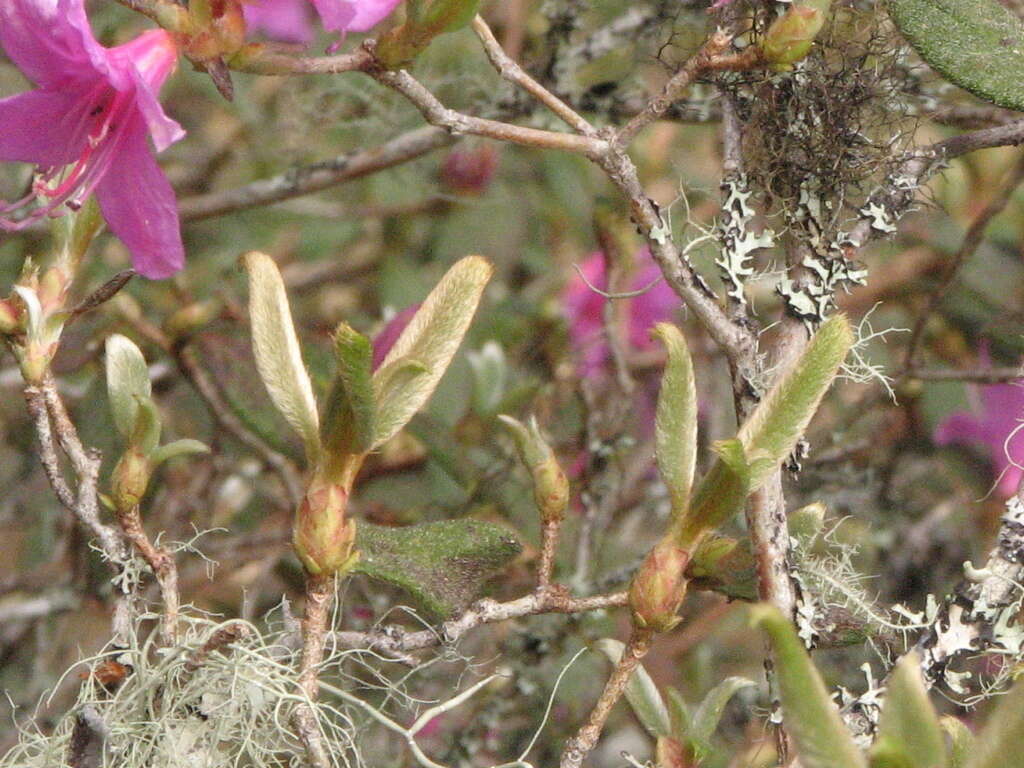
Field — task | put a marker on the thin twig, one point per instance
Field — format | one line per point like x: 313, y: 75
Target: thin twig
x: 578, y: 747
x: 319, y: 590
x: 510, y: 70
x: 675, y: 87
x: 973, y: 238
x: 164, y: 568
x: 396, y: 640
x: 985, y: 376
x: 457, y: 123
x: 307, y: 179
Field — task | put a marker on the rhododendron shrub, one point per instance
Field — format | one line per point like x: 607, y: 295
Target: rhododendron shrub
x: 445, y: 383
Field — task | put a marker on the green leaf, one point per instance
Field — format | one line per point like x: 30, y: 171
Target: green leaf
x: 809, y: 715
x: 430, y: 339
x: 389, y: 385
x: 961, y: 741
x: 73, y: 232
x: 146, y: 433
x: 490, y: 378
x: 675, y: 424
x: 976, y: 44
x: 127, y: 380
x: 276, y: 347
x: 183, y: 447
x: 724, y: 565
x: 721, y: 493
x: 442, y: 566
x: 709, y: 713
x: 781, y: 417
x: 909, y: 735
x: 350, y: 413
x: 1001, y: 742
x: 641, y: 692
x: 678, y: 714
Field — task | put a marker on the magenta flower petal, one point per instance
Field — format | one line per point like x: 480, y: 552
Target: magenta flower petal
x: 87, y: 126
x: 33, y: 128
x: 353, y: 15
x: 50, y: 40
x: 287, y: 21
x: 148, y: 60
x: 386, y: 339
x: 139, y: 206
x: 993, y: 428
x: 584, y: 308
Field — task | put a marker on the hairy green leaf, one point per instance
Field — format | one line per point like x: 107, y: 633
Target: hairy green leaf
x: 183, y: 447
x: 809, y: 715
x: 127, y: 380
x: 442, y: 566
x: 678, y: 714
x: 350, y: 412
x: 709, y: 713
x: 909, y: 735
x: 961, y: 741
x: 641, y: 692
x: 1001, y: 743
x: 276, y: 347
x: 675, y: 422
x: 430, y: 340
x: 976, y: 44
x: 781, y: 417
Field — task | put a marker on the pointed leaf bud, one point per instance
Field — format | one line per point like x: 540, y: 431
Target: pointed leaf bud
x: 659, y: 586
x: 550, y: 485
x: 790, y: 37
x: 130, y: 479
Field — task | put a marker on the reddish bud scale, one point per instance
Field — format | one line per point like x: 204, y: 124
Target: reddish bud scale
x: 659, y: 587
x: 323, y: 536
x: 10, y: 318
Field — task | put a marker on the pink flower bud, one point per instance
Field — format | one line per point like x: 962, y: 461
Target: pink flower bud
x: 470, y: 171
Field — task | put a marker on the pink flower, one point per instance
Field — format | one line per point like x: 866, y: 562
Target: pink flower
x: 584, y: 307
x: 285, y: 20
x: 389, y: 334
x: 288, y: 21
x: 353, y: 15
x: 991, y: 425
x: 86, y: 126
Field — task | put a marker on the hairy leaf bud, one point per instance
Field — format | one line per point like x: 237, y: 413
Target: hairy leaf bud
x: 790, y: 37
x: 550, y: 485
x: 130, y: 479
x: 659, y: 587
x: 323, y: 535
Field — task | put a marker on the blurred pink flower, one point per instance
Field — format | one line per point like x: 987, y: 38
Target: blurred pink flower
x: 583, y: 309
x: 86, y: 126
x: 287, y: 21
x: 353, y: 15
x: 990, y: 425
x: 385, y: 340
